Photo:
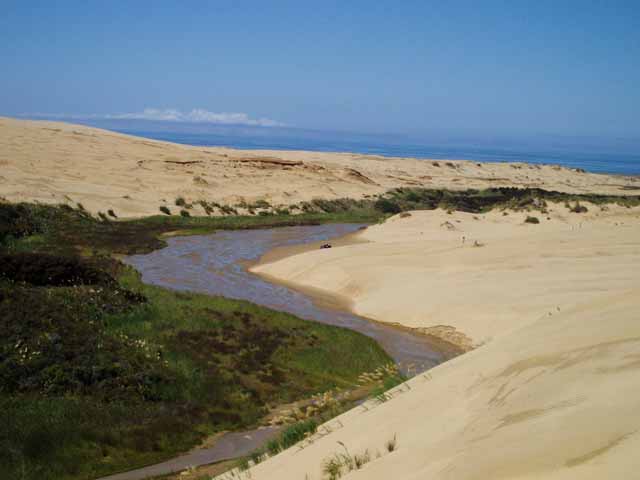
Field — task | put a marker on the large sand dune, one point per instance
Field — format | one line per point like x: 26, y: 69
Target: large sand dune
x: 552, y: 389
x: 56, y: 162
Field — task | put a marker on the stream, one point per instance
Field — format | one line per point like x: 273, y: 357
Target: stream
x: 215, y: 264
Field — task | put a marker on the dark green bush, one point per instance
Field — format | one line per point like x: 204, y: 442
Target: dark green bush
x: 385, y: 205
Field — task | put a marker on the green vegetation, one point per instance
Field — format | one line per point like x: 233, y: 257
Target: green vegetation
x: 344, y: 462
x: 291, y: 435
x: 99, y: 372
x: 388, y: 382
x: 530, y: 219
x: 481, y: 201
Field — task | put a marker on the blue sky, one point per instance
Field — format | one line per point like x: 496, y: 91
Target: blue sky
x: 559, y: 67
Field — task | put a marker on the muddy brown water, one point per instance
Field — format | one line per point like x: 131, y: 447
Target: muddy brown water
x: 216, y: 265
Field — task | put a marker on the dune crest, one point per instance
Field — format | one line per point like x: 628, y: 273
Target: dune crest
x: 54, y: 162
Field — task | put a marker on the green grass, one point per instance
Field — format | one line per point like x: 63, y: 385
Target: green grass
x: 291, y: 435
x: 129, y: 383
x: 100, y: 373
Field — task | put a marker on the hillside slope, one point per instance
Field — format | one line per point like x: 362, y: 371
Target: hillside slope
x: 55, y: 162
x: 551, y: 390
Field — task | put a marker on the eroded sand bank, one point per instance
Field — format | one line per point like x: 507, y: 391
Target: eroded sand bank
x: 55, y: 162
x: 551, y: 390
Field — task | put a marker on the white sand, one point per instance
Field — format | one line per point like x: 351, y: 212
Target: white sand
x: 554, y: 389
x: 56, y: 162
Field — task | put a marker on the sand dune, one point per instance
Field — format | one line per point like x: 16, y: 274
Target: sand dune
x: 56, y: 162
x: 552, y: 389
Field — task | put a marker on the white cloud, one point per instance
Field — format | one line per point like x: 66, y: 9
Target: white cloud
x: 197, y: 115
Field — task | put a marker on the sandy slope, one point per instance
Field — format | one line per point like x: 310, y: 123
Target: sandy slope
x: 554, y: 389
x: 59, y: 162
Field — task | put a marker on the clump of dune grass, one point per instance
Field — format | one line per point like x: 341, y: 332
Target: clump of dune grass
x: 112, y: 213
x: 342, y: 463
x: 531, y: 219
x: 391, y: 444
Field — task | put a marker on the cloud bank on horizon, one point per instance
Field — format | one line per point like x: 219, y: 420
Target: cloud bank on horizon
x: 197, y: 115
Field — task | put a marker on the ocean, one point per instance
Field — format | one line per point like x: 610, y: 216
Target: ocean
x: 616, y: 156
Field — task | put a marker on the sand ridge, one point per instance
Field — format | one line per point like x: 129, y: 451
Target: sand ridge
x: 54, y: 162
x: 551, y: 389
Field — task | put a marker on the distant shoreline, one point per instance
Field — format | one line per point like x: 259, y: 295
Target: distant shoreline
x: 56, y: 162
x: 608, y: 156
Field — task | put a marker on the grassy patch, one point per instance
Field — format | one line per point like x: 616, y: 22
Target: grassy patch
x: 129, y: 374
x: 99, y: 372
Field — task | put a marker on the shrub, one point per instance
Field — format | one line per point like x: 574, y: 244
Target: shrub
x: 18, y: 221
x: 228, y: 210
x: 531, y: 219
x: 208, y: 208
x: 184, y: 213
x: 181, y: 202
x: 103, y: 217
x: 44, y: 269
x: 112, y: 213
x: 577, y: 208
x: 387, y: 206
x: 165, y: 210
